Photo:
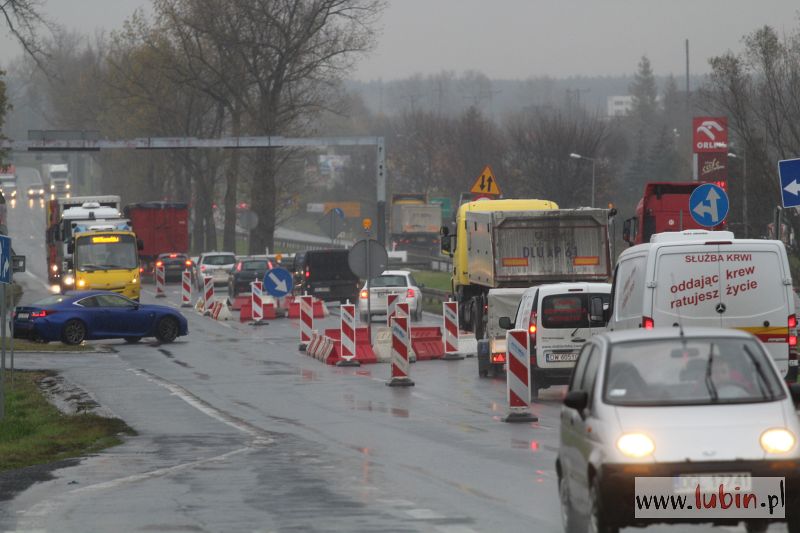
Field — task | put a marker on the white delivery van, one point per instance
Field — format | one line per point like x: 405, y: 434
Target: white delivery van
x: 709, y: 278
x: 492, y: 348
x: 559, y: 320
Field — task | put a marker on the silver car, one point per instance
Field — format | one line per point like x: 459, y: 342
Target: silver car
x: 671, y: 404
x: 214, y: 264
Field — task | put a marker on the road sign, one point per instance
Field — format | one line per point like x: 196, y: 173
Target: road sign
x: 789, y: 172
x: 366, y: 265
x: 248, y: 219
x: 486, y: 184
x: 710, y: 134
x: 709, y: 205
x: 6, y: 262
x: 278, y: 282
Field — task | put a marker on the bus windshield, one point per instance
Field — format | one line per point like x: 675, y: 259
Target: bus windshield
x: 106, y: 252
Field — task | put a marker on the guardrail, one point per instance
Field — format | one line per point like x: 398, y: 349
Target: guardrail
x: 434, y: 295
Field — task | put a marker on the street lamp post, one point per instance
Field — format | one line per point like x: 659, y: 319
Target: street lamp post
x: 743, y: 157
x: 578, y: 156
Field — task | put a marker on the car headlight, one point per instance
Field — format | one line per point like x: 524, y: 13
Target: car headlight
x: 135, y: 279
x: 777, y: 440
x: 68, y: 186
x: 69, y: 280
x: 41, y: 191
x: 636, y: 445
x: 54, y: 268
x: 52, y: 187
x: 13, y: 194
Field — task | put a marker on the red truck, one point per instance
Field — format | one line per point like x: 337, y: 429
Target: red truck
x: 663, y: 207
x: 163, y: 227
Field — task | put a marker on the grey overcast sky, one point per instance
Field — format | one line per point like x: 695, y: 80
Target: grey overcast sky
x: 519, y: 38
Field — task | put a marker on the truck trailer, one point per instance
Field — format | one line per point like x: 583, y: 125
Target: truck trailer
x: 415, y: 223
x: 163, y: 227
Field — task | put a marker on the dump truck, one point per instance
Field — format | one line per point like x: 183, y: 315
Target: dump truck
x: 522, y: 243
x: 415, y: 223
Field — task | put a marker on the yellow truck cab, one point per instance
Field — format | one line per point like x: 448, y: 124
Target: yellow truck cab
x: 107, y: 259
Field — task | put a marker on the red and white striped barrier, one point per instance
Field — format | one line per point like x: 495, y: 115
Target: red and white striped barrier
x: 186, y: 289
x: 208, y: 292
x: 257, y: 301
x: 306, y: 320
x: 348, y: 336
x: 400, y: 348
x: 161, y: 280
x: 518, y: 377
x: 391, y: 308
x: 402, y: 309
x: 450, y: 317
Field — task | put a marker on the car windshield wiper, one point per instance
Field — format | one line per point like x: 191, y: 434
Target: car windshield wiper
x: 762, y: 377
x: 712, y: 390
x: 88, y: 266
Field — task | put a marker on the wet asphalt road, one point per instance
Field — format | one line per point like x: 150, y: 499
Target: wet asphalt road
x: 238, y: 431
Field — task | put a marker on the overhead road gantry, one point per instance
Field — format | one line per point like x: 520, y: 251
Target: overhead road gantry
x: 88, y: 141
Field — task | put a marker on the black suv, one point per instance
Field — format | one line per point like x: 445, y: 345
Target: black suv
x: 326, y: 275
x: 247, y: 270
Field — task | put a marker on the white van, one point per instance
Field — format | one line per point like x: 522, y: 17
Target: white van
x: 709, y: 279
x: 559, y: 320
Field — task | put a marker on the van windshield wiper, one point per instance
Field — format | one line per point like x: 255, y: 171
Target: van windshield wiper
x: 712, y: 390
x: 88, y: 267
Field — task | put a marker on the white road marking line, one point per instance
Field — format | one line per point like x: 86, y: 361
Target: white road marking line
x: 424, y: 514
x: 36, y: 278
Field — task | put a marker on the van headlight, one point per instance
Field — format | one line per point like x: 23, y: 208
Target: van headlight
x: 68, y: 186
x: 777, y: 440
x: 81, y: 283
x: 636, y: 445
x: 69, y: 280
x: 52, y: 187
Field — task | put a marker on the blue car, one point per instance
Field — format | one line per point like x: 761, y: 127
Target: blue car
x: 88, y: 315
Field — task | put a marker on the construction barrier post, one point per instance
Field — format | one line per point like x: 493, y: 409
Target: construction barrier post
x: 161, y: 280
x: 186, y: 289
x: 208, y: 292
x: 257, y: 303
x: 400, y: 346
x: 402, y: 309
x: 518, y: 377
x: 450, y: 316
x: 391, y: 308
x: 306, y: 320
x: 348, y: 335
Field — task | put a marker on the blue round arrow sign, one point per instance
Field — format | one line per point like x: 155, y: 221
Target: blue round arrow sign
x: 278, y: 282
x: 709, y: 205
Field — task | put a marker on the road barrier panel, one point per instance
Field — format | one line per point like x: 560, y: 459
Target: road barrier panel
x: 161, y: 280
x: 400, y: 348
x: 451, y: 344
x: 364, y: 352
x: 347, y: 328
x: 391, y: 308
x: 208, y: 291
x: 426, y: 342
x: 518, y: 377
x: 402, y: 310
x: 186, y: 289
x: 258, y: 304
x: 306, y: 320
x: 383, y: 344
x: 316, y: 338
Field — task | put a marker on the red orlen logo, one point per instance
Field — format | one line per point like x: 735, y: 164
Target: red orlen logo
x: 710, y: 134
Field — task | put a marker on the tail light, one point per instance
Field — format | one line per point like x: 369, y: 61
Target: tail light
x: 188, y: 262
x: 308, y: 274
x: 202, y: 268
x: 410, y: 293
x: 159, y: 263
x: 532, y: 329
x: 364, y: 294
x: 173, y: 256
x: 41, y: 314
x: 792, y: 322
x: 498, y: 358
x: 647, y: 322
x: 141, y: 269
x: 239, y: 267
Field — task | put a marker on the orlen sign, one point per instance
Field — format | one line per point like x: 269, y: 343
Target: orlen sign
x: 710, y: 134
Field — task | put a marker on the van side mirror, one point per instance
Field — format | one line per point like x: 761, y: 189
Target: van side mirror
x: 445, y: 245
x: 626, y: 231
x: 139, y: 245
x: 577, y: 399
x: 444, y: 231
x: 596, y: 311
x: 70, y: 248
x: 505, y: 323
x: 794, y: 389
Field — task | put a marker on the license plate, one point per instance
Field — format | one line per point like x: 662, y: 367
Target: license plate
x: 23, y: 316
x: 560, y: 357
x: 323, y: 289
x: 687, y: 483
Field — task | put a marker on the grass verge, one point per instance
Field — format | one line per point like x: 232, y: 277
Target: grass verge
x: 35, y: 432
x: 22, y: 345
x: 433, y: 280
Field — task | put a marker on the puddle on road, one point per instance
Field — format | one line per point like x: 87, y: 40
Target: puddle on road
x: 377, y: 407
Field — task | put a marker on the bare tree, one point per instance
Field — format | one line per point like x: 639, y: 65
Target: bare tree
x: 23, y: 19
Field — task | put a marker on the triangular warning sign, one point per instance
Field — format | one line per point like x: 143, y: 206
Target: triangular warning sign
x: 486, y: 184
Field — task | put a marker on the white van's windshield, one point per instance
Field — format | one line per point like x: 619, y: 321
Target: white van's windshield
x: 569, y: 311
